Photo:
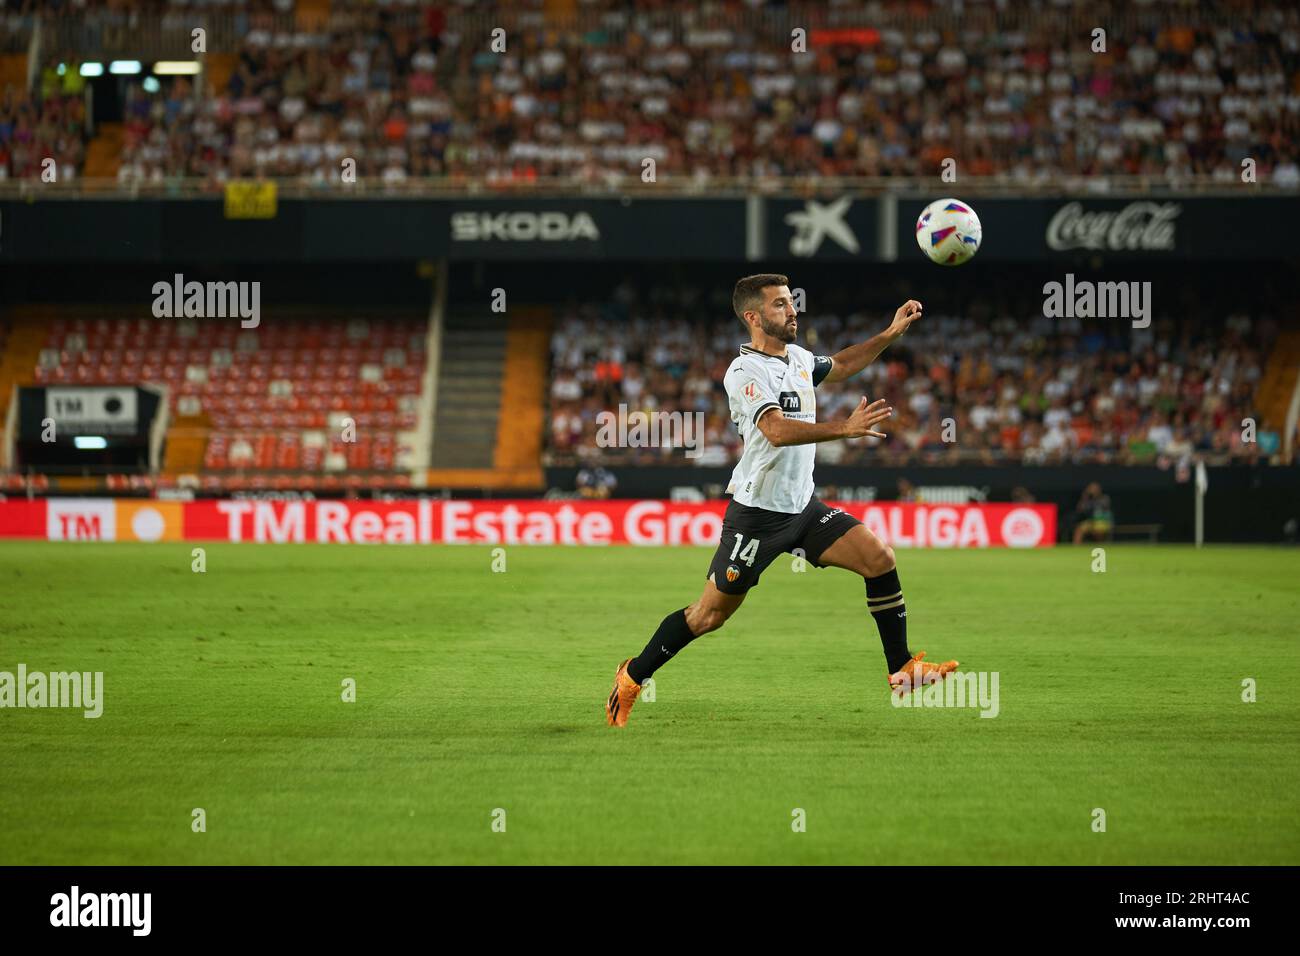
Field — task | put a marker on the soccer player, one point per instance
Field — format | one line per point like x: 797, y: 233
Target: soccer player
x: 770, y: 387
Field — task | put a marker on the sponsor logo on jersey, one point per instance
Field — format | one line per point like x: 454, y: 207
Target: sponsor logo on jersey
x: 828, y: 516
x: 733, y: 572
x: 790, y: 402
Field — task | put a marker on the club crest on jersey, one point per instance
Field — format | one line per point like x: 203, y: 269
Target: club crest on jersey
x: 803, y: 374
x: 733, y: 572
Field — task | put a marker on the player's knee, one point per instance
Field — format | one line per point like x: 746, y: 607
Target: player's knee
x: 882, y: 561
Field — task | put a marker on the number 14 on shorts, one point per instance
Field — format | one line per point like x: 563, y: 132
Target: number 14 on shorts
x: 749, y: 553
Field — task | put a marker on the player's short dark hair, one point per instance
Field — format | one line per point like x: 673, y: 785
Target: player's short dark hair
x: 749, y: 291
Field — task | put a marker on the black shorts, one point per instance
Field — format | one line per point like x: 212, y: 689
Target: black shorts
x: 753, y: 537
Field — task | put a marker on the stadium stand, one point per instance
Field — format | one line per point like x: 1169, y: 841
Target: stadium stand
x: 1019, y: 387
x: 1181, y: 92
x: 251, y: 407
x: 289, y: 89
x: 263, y: 408
x: 50, y: 122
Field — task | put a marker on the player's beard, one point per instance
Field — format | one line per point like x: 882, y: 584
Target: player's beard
x: 781, y: 331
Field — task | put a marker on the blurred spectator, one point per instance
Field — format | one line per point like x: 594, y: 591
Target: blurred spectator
x: 1093, y: 517
x: 596, y: 483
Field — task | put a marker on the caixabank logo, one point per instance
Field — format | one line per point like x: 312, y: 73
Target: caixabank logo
x: 846, y: 227
x: 816, y: 222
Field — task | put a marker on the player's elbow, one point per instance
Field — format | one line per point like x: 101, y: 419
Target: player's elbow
x: 772, y: 430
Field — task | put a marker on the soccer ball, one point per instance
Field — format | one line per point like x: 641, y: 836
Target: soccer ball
x: 949, y: 232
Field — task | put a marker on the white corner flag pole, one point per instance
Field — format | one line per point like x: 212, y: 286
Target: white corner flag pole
x: 1202, y: 484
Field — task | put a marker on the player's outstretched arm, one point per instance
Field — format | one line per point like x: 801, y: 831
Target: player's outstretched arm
x: 850, y: 361
x: 780, y: 430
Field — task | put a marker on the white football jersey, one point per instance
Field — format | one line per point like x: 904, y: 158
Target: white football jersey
x: 774, y: 479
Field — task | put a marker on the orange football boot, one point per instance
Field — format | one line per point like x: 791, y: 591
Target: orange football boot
x: 918, y: 672
x: 619, y: 706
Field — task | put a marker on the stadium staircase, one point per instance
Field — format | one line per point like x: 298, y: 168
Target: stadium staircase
x: 311, y: 16
x: 104, y: 154
x: 491, y: 396
x: 1279, y: 384
x: 13, y: 71
x: 469, y: 390
x: 217, y: 70
x: 21, y: 338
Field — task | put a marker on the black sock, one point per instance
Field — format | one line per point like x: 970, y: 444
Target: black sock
x: 672, y: 636
x: 885, y: 601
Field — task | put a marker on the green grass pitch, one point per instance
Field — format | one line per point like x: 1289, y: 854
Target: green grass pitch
x: 479, y: 690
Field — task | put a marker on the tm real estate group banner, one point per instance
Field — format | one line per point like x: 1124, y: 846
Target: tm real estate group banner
x: 647, y: 522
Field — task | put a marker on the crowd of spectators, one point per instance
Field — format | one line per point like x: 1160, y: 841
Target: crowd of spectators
x: 713, y: 91
x: 1003, y: 385
x: 48, y: 123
